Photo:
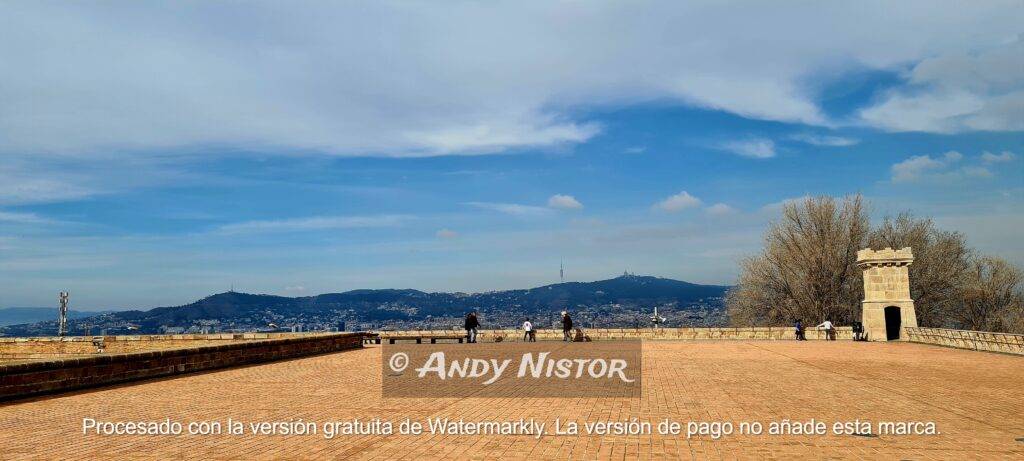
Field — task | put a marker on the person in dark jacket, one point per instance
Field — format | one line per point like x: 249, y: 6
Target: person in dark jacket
x: 471, y: 325
x: 800, y: 331
x: 566, y: 327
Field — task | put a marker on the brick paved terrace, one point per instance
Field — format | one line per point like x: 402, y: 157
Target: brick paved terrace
x: 974, y: 398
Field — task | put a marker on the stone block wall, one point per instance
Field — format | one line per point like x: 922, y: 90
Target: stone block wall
x: 27, y: 379
x: 963, y: 339
x: 606, y: 334
x: 45, y: 348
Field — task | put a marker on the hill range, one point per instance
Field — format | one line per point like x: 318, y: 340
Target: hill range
x: 606, y: 298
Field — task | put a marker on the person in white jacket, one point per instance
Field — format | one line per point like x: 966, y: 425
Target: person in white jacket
x: 830, y: 330
x: 528, y: 334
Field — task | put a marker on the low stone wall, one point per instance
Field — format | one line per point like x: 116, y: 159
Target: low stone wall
x: 48, y: 348
x: 605, y: 334
x: 26, y: 379
x: 964, y: 339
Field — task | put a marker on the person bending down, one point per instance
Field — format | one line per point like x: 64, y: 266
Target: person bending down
x: 830, y: 330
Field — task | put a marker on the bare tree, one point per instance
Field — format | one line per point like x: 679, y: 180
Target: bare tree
x: 941, y: 261
x: 808, y: 268
x: 808, y: 271
x: 991, y: 297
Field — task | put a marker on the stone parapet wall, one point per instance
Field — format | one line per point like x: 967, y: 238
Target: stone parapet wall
x: 40, y: 377
x: 42, y: 348
x: 605, y: 334
x: 965, y: 339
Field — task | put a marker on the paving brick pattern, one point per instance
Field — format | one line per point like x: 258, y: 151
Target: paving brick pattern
x: 974, y: 397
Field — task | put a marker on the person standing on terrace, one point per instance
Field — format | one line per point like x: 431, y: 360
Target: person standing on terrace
x: 566, y: 327
x: 528, y: 331
x: 830, y: 330
x: 471, y: 325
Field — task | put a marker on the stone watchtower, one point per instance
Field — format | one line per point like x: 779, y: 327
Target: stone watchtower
x: 887, y: 307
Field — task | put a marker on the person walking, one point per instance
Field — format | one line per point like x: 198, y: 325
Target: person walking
x: 830, y: 330
x: 566, y: 327
x: 800, y: 331
x: 471, y: 325
x: 528, y: 331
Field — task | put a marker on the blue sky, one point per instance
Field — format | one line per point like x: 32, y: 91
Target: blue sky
x: 152, y: 154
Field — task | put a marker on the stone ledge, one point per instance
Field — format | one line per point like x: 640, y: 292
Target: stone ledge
x: 654, y: 334
x: 27, y: 379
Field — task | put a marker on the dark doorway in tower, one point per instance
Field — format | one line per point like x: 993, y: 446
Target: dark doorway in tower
x: 892, y: 323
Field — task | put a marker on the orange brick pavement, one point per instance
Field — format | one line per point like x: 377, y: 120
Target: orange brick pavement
x: 974, y: 397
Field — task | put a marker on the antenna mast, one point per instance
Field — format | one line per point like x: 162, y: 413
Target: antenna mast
x: 62, y: 318
x: 561, y: 271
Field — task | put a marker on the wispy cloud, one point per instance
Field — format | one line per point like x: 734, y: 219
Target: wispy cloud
x: 824, y: 140
x: 37, y: 185
x: 1005, y: 156
x: 678, y: 202
x: 513, y: 209
x: 23, y: 218
x: 954, y: 92
x: 720, y: 209
x: 364, y: 97
x: 917, y: 166
x: 446, y: 234
x: 313, y: 223
x: 775, y: 207
x: 753, y: 148
x: 564, y: 202
x: 946, y: 167
x: 635, y: 150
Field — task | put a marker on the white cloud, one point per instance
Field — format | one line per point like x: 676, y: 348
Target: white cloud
x: 912, y: 168
x: 776, y: 207
x: 23, y: 218
x: 825, y: 140
x: 313, y: 223
x: 1005, y: 156
x: 635, y: 150
x: 958, y: 91
x: 720, y: 209
x: 564, y: 202
x: 398, y: 79
x: 26, y: 186
x: 977, y: 172
x: 678, y: 202
x: 446, y: 234
x: 754, y: 148
x: 513, y: 209
x: 487, y: 138
x: 945, y: 167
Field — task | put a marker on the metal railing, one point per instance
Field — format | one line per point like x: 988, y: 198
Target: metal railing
x: 967, y: 339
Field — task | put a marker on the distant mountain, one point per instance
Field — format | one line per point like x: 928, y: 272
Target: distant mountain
x: 16, y: 315
x: 412, y: 305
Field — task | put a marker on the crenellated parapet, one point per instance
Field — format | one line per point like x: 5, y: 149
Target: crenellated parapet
x: 885, y: 257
